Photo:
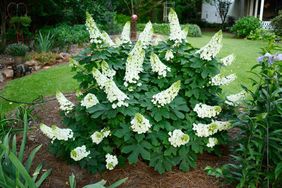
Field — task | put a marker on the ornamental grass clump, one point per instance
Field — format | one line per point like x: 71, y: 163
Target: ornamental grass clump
x: 157, y: 103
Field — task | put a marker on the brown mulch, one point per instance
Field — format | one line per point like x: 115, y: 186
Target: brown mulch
x: 139, y: 175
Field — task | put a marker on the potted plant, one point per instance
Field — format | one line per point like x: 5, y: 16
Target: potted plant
x: 18, y: 51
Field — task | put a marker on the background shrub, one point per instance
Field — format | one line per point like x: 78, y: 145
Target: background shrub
x: 277, y: 24
x: 244, y: 26
x: 193, y: 29
x: 44, y: 42
x: 261, y: 34
x: 122, y: 19
x: 16, y: 49
x: 43, y: 58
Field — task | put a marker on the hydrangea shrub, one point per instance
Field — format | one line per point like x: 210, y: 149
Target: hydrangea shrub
x: 156, y: 102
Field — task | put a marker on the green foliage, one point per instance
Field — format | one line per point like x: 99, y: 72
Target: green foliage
x: 64, y: 35
x: 193, y: 29
x: 20, y: 21
x: 244, y: 26
x: 153, y: 146
x: 256, y: 151
x: 44, y: 42
x: 16, y: 49
x: 277, y: 24
x: 44, y: 58
x: 100, y: 184
x: 122, y: 19
x: 261, y: 34
x: 14, y: 171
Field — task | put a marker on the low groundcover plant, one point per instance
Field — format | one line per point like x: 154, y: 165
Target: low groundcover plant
x: 157, y: 102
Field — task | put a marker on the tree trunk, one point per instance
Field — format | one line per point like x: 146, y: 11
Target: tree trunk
x: 3, y: 6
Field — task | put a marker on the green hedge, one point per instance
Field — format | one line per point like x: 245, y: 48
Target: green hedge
x: 193, y: 29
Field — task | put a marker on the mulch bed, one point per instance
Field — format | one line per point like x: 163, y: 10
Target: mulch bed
x: 139, y: 175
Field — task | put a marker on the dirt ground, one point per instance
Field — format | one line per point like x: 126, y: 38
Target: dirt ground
x: 139, y: 175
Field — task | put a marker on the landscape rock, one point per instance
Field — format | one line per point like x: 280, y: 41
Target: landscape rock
x: 31, y: 63
x: 37, y: 67
x: 8, y: 73
x: 65, y: 56
x: 46, y: 67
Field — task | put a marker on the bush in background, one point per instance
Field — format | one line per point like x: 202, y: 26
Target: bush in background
x: 277, y: 24
x: 261, y: 34
x: 244, y: 26
x: 43, y: 58
x: 16, y: 49
x: 122, y: 19
x: 193, y: 29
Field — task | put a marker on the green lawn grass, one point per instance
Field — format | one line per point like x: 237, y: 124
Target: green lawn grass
x: 47, y: 82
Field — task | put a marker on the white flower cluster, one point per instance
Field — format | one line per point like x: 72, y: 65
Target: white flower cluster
x: 228, y: 60
x: 56, y: 133
x: 107, y: 39
x: 219, y: 80
x: 79, y: 153
x: 89, y: 100
x: 147, y: 34
x: 167, y: 96
x: 140, y: 124
x: 206, y: 111
x: 65, y: 104
x: 111, y: 161
x: 107, y: 71
x: 169, y: 55
x: 158, y: 66
x: 211, y: 49
x: 100, y: 78
x: 206, y: 130
x: 176, y: 34
x: 235, y: 99
x: 114, y: 94
x: 134, y: 64
x: 125, y: 35
x: 177, y: 138
x: 212, y: 142
x: 98, y: 136
x: 94, y: 32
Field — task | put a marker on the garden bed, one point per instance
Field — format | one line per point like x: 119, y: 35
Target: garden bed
x: 139, y: 175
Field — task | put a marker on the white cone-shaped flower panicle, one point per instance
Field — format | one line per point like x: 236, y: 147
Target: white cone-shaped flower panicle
x: 134, y: 64
x: 210, y: 50
x: 169, y: 55
x: 65, y: 104
x: 140, y: 124
x: 100, y: 78
x: 177, y: 138
x: 98, y: 136
x: 176, y: 34
x: 111, y: 161
x: 115, y: 95
x: 220, y: 80
x: 228, y: 60
x: 212, y: 142
x: 206, y: 111
x: 147, y: 34
x: 107, y: 71
x: 158, y: 66
x: 206, y: 130
x: 79, y: 153
x: 56, y: 133
x: 94, y: 32
x: 89, y: 100
x: 107, y: 39
x: 235, y: 99
x: 167, y: 96
x: 125, y: 35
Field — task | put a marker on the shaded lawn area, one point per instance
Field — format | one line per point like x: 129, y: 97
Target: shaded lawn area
x: 47, y: 82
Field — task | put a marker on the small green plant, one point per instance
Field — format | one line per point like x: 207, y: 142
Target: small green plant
x: 100, y: 184
x: 261, y: 34
x: 14, y: 172
x: 16, y: 49
x: 44, y: 58
x: 244, y: 26
x: 44, y: 42
x: 277, y: 24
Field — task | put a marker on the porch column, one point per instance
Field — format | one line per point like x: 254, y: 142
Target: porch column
x: 261, y: 10
x: 256, y: 8
x: 251, y: 12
